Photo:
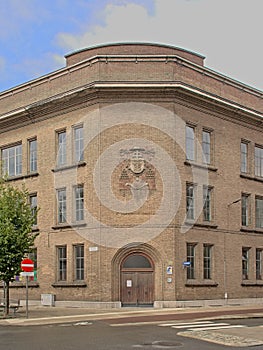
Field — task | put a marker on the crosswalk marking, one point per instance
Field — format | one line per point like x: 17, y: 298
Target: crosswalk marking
x: 215, y: 327
x: 200, y: 325
x: 182, y: 323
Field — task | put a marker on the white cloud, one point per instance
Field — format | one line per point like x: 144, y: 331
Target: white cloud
x: 227, y: 32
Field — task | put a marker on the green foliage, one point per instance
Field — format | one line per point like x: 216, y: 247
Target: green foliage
x: 16, y: 237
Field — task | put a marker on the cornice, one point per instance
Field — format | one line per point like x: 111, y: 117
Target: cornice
x: 116, y: 92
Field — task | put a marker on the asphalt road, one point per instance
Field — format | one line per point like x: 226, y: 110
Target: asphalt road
x: 100, y: 335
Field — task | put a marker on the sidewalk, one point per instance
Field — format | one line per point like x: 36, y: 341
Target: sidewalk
x: 242, y: 337
x: 50, y: 315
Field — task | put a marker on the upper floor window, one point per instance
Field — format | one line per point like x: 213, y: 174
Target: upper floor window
x: 259, y: 212
x: 207, y: 197
x: 244, y: 157
x: 78, y: 144
x: 32, y: 144
x: 190, y: 202
x: 33, y: 206
x: 190, y: 143
x: 12, y: 160
x: 206, y: 146
x: 62, y: 148
x: 62, y: 205
x: 245, y: 209
x: 79, y: 203
x: 259, y: 161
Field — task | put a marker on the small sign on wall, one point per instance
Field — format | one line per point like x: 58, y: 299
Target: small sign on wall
x: 129, y: 283
x: 169, y: 270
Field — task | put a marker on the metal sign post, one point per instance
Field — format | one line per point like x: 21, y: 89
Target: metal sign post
x: 27, y: 266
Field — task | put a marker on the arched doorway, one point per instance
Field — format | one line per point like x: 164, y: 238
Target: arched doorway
x: 137, y: 280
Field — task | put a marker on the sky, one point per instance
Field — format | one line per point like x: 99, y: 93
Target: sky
x: 35, y: 35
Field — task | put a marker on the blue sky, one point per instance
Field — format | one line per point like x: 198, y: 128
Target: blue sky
x: 35, y: 35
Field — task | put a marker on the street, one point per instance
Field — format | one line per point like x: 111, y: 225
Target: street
x: 100, y: 335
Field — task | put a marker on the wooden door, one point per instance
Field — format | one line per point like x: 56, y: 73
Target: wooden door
x: 137, y: 288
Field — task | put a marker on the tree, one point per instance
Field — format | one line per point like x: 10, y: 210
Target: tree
x: 16, y: 237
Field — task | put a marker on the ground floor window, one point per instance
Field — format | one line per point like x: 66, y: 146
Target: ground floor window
x: 191, y: 259
x: 62, y: 263
x: 79, y: 262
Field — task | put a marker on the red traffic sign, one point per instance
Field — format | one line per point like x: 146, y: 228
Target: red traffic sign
x: 27, y: 265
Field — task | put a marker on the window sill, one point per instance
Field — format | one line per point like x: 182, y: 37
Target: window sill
x: 250, y: 177
x: 204, y: 283
x: 66, y: 226
x: 206, y: 225
x: 68, y: 167
x: 201, y: 166
x: 21, y: 177
x: 251, y: 230
x: 247, y: 283
x: 80, y: 284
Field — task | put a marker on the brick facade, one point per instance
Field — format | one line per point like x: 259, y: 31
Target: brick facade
x: 133, y: 103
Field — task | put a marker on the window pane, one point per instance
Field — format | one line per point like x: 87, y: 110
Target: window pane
x: 190, y: 143
x: 245, y: 252
x: 259, y: 161
x: 244, y: 210
x: 62, y: 205
x: 206, y: 145
x: 79, y: 144
x: 12, y: 161
x: 191, y: 258
x: 79, y: 262
x: 137, y: 261
x: 244, y: 148
x: 62, y: 263
x: 79, y: 203
x: 207, y: 203
x: 259, y: 212
x: 190, y: 202
x: 62, y: 155
x: 33, y: 155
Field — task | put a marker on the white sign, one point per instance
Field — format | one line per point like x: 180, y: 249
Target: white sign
x: 129, y: 283
x: 93, y: 249
x: 29, y: 274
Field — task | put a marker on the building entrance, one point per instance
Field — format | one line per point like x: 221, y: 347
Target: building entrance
x: 137, y: 280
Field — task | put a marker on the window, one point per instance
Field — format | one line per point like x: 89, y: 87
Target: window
x: 244, y: 157
x: 78, y: 144
x: 32, y: 144
x: 207, y: 198
x: 190, y: 213
x: 206, y: 146
x: 79, y: 203
x: 259, y: 161
x: 190, y: 143
x: 259, y: 264
x: 79, y: 262
x: 245, y: 209
x: 245, y: 254
x: 62, y: 205
x: 62, y: 263
x: 62, y: 148
x: 33, y: 206
x: 259, y: 212
x: 12, y: 160
x: 207, y: 261
x: 191, y: 258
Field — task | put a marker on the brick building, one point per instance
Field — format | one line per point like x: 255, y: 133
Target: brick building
x: 147, y: 167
